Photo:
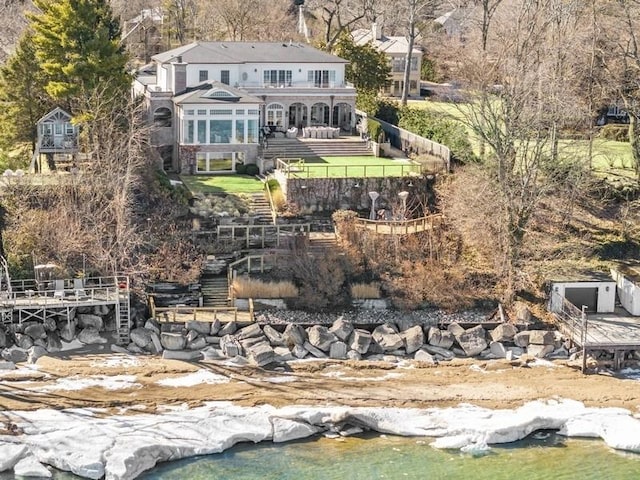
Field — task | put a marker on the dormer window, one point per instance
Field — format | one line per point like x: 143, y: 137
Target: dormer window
x: 220, y: 94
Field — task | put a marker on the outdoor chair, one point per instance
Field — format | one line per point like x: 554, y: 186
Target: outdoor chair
x: 78, y: 288
x: 58, y: 289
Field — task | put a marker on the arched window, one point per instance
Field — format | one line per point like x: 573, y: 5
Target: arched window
x: 162, y: 117
x: 275, y: 114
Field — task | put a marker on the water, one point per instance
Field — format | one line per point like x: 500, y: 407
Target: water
x: 542, y: 456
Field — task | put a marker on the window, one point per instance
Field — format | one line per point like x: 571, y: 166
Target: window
x: 69, y: 130
x: 322, y: 78
x: 220, y: 131
x: 202, y: 163
x: 252, y: 131
x: 224, y: 77
x: 276, y: 78
x: 203, y: 75
x: 188, y: 132
x: 162, y: 117
x: 253, y: 112
x: 202, y: 131
x: 275, y: 114
x: 221, y: 111
x: 218, y: 161
x: 188, y: 112
x: 239, y: 131
x: 47, y: 128
x: 413, y: 85
x: 58, y: 128
x: 239, y: 111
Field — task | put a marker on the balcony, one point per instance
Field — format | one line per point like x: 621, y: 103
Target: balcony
x: 58, y: 143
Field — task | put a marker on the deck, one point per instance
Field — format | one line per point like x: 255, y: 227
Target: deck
x: 400, y: 227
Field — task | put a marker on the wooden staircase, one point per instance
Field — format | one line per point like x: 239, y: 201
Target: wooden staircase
x: 322, y: 242
x: 260, y: 209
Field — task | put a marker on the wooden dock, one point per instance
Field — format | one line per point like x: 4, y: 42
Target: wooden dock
x: 616, y: 332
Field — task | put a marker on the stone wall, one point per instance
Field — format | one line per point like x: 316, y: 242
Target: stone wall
x: 311, y: 195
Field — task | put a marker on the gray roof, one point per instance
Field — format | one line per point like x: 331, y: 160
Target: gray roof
x: 386, y: 44
x: 198, y: 94
x: 247, y: 52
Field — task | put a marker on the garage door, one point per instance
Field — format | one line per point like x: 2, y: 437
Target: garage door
x: 583, y: 296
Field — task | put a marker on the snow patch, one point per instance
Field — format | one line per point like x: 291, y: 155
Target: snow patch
x: 195, y: 378
x: 341, y: 376
x: 114, y: 382
x: 121, y: 361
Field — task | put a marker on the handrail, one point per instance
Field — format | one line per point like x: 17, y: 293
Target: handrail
x: 400, y: 227
x: 262, y: 230
x: 232, y: 270
x: 274, y: 213
x: 303, y: 170
x: 172, y: 312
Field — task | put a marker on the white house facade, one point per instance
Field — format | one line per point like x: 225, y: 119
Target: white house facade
x: 210, y: 101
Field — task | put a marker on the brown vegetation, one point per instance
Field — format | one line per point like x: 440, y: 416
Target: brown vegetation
x: 245, y: 287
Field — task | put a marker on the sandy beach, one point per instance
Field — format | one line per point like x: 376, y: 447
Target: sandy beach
x: 115, y: 382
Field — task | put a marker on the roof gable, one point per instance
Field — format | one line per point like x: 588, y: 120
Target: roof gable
x: 214, y: 92
x: 56, y: 115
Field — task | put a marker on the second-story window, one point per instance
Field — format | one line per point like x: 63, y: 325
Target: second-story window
x: 277, y: 78
x: 322, y: 78
x: 224, y: 77
x: 203, y: 75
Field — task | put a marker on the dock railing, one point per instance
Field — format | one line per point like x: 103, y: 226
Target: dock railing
x: 264, y: 235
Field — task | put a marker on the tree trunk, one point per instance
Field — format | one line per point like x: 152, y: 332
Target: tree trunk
x: 411, y: 37
x: 634, y: 141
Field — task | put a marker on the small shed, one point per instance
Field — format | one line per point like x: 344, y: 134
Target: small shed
x: 627, y: 278
x: 596, y: 291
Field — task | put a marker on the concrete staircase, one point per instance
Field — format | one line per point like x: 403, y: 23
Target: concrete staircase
x: 215, y: 290
x: 309, y: 148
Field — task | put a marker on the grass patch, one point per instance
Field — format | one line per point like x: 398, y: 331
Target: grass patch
x: 353, y: 167
x: 252, y: 288
x: 365, y: 290
x: 222, y: 184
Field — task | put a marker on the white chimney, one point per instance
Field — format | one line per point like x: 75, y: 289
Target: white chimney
x: 376, y: 31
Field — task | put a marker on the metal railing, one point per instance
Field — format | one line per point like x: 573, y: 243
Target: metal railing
x: 298, y: 168
x: 400, y: 227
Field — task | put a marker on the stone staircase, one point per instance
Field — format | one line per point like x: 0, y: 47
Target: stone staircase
x: 260, y: 209
x: 308, y: 148
x: 215, y: 290
x: 321, y: 242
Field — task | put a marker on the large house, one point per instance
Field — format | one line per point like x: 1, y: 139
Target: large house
x: 395, y: 47
x: 210, y: 102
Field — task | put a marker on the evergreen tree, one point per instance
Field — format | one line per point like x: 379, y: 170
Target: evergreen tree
x: 77, y: 43
x: 368, y: 68
x: 22, y: 97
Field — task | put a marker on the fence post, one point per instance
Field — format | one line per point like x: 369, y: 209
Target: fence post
x: 584, y: 339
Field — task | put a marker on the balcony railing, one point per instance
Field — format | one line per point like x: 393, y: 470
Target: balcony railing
x: 64, y: 142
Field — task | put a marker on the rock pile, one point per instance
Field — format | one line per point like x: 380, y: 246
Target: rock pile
x: 32, y: 339
x: 264, y: 344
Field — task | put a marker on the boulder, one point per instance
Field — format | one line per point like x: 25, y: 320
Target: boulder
x: 521, y: 339
x: 522, y: 312
x: 186, y: 355
x: 90, y: 336
x: 3, y: 339
x: 374, y: 347
x: 261, y: 354
x: 15, y: 354
x: 316, y: 352
x: 542, y: 337
x: 275, y: 338
x: 230, y: 346
x: 103, y: 310
x: 539, y: 351
x: 67, y: 330
x: 516, y: 351
x: 141, y: 337
x: 34, y: 353
x: 424, y: 356
x: 497, y: 349
x: 4, y: 365
x: 86, y: 320
x: 203, y: 328
x: 153, y: 325
x: 294, y: 334
x: 211, y: 353
x: 191, y: 335
x: 118, y: 349
x: 215, y: 327
x: 503, y: 333
x: 387, y: 337
x: 172, y: 341
x: 197, y: 344
x: 23, y: 340
x: 133, y: 348
x: 283, y: 354
x: 228, y: 329
x: 320, y: 337
x: 250, y: 331
x: 155, y: 343
x: 341, y: 328
x: 213, y: 340
x: 299, y: 351
x: 359, y: 341
x: 413, y: 339
x: 353, y: 355
x: 472, y: 340
x: 49, y: 324
x: 440, y: 338
x: 438, y: 351
x: 456, y: 329
x: 53, y: 342
x: 338, y: 350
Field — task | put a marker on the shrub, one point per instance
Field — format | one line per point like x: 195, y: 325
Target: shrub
x: 276, y: 194
x: 616, y: 132
x: 252, y: 169
x: 374, y: 130
x: 241, y: 169
x: 254, y: 288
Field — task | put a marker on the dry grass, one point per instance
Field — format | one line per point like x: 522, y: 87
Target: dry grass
x: 365, y: 290
x: 252, y: 288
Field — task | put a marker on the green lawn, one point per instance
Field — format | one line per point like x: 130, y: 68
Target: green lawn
x: 219, y: 184
x: 351, y: 167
